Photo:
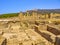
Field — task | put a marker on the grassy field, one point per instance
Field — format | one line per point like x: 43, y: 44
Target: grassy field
x: 9, y: 15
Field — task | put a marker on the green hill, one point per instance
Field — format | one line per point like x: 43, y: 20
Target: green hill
x: 9, y: 15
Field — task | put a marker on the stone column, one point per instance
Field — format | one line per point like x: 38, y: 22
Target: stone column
x: 21, y: 15
x: 27, y: 13
x: 34, y: 15
x: 46, y: 16
x: 51, y: 15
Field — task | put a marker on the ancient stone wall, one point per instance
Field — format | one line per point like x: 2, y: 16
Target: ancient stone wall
x: 53, y: 30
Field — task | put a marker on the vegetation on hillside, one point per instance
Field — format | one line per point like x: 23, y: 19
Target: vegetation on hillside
x: 9, y: 15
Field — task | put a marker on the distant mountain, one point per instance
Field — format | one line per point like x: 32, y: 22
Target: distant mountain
x: 43, y: 11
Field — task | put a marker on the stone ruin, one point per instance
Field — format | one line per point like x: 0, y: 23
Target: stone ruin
x: 29, y: 30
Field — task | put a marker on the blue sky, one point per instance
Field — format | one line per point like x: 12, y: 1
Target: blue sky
x: 11, y: 6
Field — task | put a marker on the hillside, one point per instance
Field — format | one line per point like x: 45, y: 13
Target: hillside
x: 8, y: 15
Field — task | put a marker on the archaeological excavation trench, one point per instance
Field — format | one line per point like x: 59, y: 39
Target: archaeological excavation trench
x: 52, y: 34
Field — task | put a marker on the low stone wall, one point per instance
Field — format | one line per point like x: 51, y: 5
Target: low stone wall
x: 47, y: 35
x: 53, y: 30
